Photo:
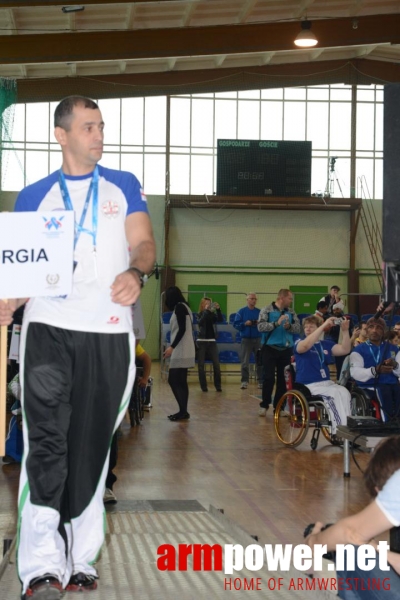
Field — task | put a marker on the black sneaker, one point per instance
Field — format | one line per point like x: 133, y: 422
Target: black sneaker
x: 80, y: 582
x: 45, y: 587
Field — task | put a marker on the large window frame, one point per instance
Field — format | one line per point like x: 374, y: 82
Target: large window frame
x: 138, y: 139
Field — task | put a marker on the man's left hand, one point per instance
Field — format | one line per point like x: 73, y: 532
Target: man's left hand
x: 126, y: 288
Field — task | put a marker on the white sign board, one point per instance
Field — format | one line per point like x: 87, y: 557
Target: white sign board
x: 36, y: 253
x: 14, y: 346
x: 138, y: 323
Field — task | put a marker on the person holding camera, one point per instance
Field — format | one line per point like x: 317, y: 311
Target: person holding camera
x: 382, y: 480
x: 246, y: 321
x: 209, y: 314
x: 277, y: 323
x: 375, y: 366
x: 332, y: 298
x: 312, y: 355
x: 333, y: 334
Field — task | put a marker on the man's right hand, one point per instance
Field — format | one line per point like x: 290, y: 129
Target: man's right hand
x: 7, y: 309
x: 384, y: 369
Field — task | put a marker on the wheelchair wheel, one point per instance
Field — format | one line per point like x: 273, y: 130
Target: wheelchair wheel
x: 135, y: 406
x: 292, y: 418
x: 141, y: 399
x: 358, y: 404
x: 323, y: 416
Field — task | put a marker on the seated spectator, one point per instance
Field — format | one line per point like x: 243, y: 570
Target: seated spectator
x: 208, y: 316
x: 332, y: 298
x: 362, y: 335
x: 382, y: 479
x: 312, y: 370
x: 322, y: 310
x: 394, y: 337
x: 374, y: 366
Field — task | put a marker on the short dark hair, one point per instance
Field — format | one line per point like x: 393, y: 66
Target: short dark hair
x: 322, y: 304
x: 384, y: 462
x: 173, y: 296
x: 283, y: 292
x: 335, y: 287
x: 391, y: 335
x: 64, y: 110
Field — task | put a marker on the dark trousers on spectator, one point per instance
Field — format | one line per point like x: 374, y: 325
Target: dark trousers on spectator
x: 177, y: 379
x: 211, y: 349
x: 274, y: 360
x: 389, y: 398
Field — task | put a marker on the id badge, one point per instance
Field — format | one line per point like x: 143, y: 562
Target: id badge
x: 323, y: 374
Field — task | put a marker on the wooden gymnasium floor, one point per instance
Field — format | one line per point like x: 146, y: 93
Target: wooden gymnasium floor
x: 227, y: 456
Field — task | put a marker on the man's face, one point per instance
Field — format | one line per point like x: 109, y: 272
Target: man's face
x: 337, y: 312
x: 287, y: 300
x: 397, y: 327
x: 251, y: 300
x: 334, y: 292
x: 375, y: 332
x: 323, y: 310
x: 83, y: 142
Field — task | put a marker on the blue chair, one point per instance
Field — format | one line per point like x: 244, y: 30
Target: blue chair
x: 303, y: 316
x: 224, y: 321
x: 392, y: 320
x: 166, y: 317
x: 252, y: 359
x: 195, y: 319
x: 168, y: 337
x: 367, y: 316
x: 353, y: 317
x: 229, y: 357
x: 238, y: 339
x: 224, y: 337
x: 232, y: 318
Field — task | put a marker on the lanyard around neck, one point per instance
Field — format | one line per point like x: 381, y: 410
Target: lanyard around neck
x: 376, y: 357
x: 93, y: 187
x: 320, y: 351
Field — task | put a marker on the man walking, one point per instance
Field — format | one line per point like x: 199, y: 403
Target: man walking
x: 277, y: 322
x: 246, y: 321
x: 77, y: 358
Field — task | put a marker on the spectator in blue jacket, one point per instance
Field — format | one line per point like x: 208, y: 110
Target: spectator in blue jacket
x: 246, y: 321
x: 277, y: 323
x: 375, y: 366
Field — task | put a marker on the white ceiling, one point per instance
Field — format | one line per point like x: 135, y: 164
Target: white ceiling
x: 148, y: 17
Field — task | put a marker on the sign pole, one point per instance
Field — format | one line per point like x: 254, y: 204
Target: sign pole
x: 3, y: 387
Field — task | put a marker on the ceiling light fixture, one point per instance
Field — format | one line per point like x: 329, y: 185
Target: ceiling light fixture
x: 305, y: 38
x: 72, y: 9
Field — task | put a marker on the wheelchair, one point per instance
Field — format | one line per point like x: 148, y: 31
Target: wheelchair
x: 365, y: 397
x: 140, y: 399
x: 298, y: 410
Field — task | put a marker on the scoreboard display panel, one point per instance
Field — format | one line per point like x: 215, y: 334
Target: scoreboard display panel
x: 263, y: 168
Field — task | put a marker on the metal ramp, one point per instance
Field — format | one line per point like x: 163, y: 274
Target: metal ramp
x: 127, y: 566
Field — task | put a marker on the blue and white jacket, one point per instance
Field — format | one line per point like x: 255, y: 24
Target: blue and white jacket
x: 277, y: 336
